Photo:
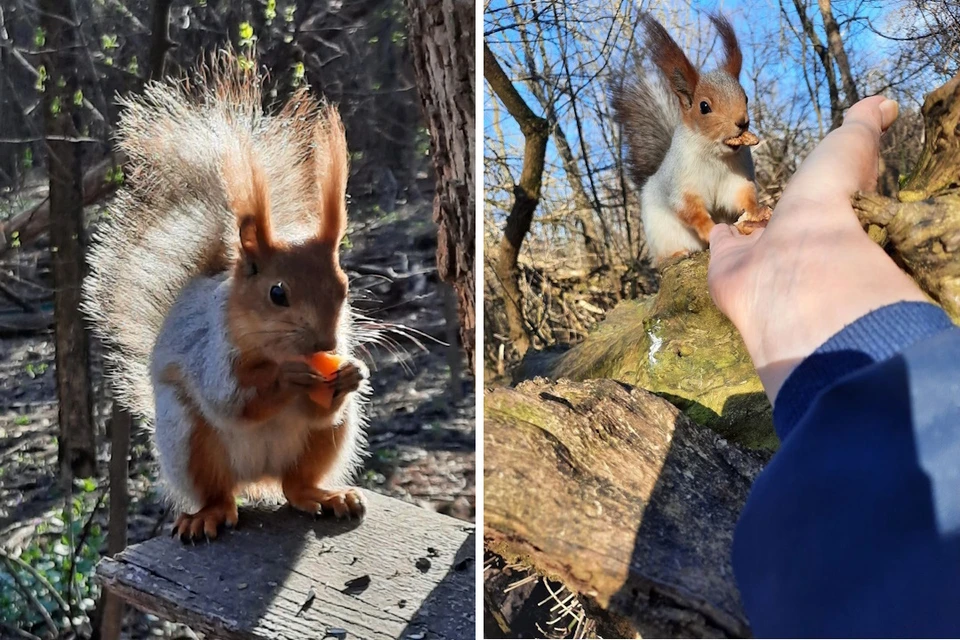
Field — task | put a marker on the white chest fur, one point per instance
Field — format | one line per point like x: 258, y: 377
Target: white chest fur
x: 270, y: 448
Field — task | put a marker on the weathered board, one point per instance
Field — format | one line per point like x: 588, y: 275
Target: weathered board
x: 404, y: 572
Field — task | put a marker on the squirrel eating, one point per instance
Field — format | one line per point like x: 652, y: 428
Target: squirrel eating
x: 688, y: 144
x: 217, y: 289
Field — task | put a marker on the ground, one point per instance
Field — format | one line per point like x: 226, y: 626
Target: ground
x: 421, y: 438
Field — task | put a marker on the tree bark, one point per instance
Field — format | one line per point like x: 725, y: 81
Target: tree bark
x: 442, y: 33
x: 526, y: 193
x: 921, y: 228
x: 77, y: 448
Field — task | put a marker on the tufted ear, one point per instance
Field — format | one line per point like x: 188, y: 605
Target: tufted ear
x: 332, y: 166
x: 680, y: 73
x: 732, y: 57
x: 249, y: 200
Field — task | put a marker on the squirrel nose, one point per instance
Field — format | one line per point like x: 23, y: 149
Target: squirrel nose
x: 743, y: 125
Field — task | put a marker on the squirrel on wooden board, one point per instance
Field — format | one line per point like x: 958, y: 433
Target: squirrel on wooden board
x: 688, y: 142
x: 216, y: 281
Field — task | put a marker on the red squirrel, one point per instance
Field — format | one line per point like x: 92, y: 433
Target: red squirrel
x: 688, y: 141
x: 215, y: 278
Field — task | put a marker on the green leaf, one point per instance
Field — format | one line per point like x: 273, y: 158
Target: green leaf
x: 108, y: 42
x: 39, y: 37
x: 78, y: 97
x: 298, y: 72
x: 41, y: 78
x: 55, y: 106
x: 246, y: 31
x: 271, y: 11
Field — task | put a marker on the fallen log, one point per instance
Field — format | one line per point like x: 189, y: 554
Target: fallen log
x: 614, y: 492
x: 98, y: 182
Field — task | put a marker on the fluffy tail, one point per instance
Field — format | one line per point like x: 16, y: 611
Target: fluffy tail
x: 648, y: 113
x: 173, y: 220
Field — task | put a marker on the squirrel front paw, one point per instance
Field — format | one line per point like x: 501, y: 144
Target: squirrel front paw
x: 749, y: 222
x: 345, y: 503
x: 207, y: 521
x: 299, y: 374
x: 348, y: 377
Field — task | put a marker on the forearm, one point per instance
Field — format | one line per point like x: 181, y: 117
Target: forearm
x: 852, y: 528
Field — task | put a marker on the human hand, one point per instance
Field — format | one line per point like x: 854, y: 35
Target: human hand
x: 791, y: 286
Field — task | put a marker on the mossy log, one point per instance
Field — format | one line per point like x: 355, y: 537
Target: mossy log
x: 677, y: 344
x: 617, y: 494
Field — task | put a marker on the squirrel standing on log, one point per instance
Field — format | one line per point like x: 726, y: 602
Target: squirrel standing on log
x: 688, y: 142
x: 216, y: 286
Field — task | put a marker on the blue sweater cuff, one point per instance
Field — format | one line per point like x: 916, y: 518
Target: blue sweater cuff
x: 871, y: 338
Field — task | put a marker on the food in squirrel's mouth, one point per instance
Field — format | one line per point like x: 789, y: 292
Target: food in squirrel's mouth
x: 745, y: 139
x: 326, y: 364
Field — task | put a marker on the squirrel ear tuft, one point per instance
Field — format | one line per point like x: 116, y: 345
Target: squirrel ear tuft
x: 249, y: 200
x: 332, y: 166
x: 732, y: 57
x: 680, y: 73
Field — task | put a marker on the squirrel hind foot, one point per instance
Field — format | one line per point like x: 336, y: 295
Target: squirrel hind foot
x: 206, y: 522
x: 344, y: 503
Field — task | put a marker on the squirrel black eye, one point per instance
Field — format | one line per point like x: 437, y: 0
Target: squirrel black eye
x: 278, y: 295
x: 705, y: 108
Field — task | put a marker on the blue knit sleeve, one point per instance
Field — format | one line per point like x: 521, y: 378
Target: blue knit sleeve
x: 853, y: 529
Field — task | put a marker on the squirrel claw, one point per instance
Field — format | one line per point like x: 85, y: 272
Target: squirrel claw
x: 205, y: 523
x: 345, y: 503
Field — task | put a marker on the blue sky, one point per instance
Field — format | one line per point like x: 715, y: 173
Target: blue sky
x: 758, y: 24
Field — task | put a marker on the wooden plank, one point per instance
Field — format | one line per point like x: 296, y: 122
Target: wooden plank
x: 404, y: 572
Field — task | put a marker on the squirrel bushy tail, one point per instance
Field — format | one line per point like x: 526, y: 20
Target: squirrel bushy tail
x: 646, y: 110
x: 172, y: 220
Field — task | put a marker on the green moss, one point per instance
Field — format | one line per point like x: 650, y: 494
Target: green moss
x: 678, y: 345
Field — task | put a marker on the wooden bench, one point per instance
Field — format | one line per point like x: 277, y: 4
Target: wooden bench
x: 404, y: 572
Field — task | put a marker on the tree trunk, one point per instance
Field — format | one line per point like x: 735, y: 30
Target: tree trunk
x: 839, y: 53
x: 77, y: 449
x: 526, y: 193
x: 826, y: 59
x: 442, y: 35
x: 160, y: 41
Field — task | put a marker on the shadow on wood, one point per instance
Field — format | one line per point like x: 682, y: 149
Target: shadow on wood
x: 403, y: 572
x: 614, y: 492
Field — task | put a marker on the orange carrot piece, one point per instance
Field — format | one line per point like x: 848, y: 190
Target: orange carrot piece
x: 327, y: 365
